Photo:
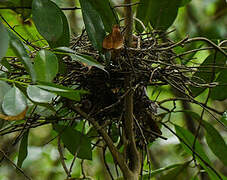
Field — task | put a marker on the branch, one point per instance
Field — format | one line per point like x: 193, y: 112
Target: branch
x: 126, y: 5
x: 115, y: 153
x: 209, y: 42
x: 134, y: 156
x: 27, y: 42
x: 207, y: 164
x: 62, y: 159
x: 18, y: 168
x: 28, y: 7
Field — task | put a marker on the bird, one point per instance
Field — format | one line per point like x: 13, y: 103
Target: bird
x: 114, y: 40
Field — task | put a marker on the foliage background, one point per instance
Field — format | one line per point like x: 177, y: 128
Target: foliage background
x: 199, y: 18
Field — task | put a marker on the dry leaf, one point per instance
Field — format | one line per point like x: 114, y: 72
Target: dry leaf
x: 14, y: 118
x: 114, y: 40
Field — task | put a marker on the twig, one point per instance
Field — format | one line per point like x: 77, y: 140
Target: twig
x: 27, y: 42
x: 202, y: 113
x: 209, y: 42
x: 29, y: 7
x: 115, y: 153
x: 62, y: 159
x: 105, y: 163
x: 181, y: 42
x: 146, y: 146
x: 187, y: 99
x: 206, y: 163
x: 126, y: 5
x: 18, y: 168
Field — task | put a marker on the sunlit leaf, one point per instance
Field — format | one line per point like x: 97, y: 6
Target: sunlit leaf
x: 14, y: 102
x: 14, y: 118
x: 93, y: 24
x: 216, y: 142
x: 39, y: 95
x: 51, y: 22
x: 23, y: 149
x: 24, y: 90
x: 4, y: 42
x: 87, y: 61
x: 46, y: 65
x: 19, y: 49
x: 4, y: 88
x: 76, y: 142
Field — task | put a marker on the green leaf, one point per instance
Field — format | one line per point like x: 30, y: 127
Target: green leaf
x: 184, y: 2
x: 75, y: 141
x: 64, y: 50
x: 14, y: 102
x: 19, y: 49
x: 23, y: 149
x: 39, y: 95
x: 105, y: 12
x: 4, y: 43
x: 62, y: 90
x: 189, y: 139
x: 24, y: 91
x: 204, y: 73
x: 161, y: 14
x: 50, y: 22
x: 24, y: 12
x: 224, y: 118
x: 219, y: 92
x: 46, y: 65
x: 93, y: 24
x: 158, y: 171
x: 216, y: 142
x: 6, y: 64
x: 87, y: 61
x: 143, y: 13
x: 64, y: 39
x: 177, y: 173
x: 4, y: 88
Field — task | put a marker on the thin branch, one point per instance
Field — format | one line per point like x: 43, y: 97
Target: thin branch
x: 61, y: 155
x: 105, y: 163
x: 115, y: 153
x: 26, y: 41
x: 181, y: 42
x: 18, y: 168
x: 206, y: 163
x: 186, y: 99
x: 209, y: 42
x: 126, y: 5
x: 29, y: 7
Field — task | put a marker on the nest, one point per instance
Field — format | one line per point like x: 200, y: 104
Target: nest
x: 146, y: 63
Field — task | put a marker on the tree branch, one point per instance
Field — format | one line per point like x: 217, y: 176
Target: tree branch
x: 28, y: 7
x: 134, y: 156
x: 115, y: 153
